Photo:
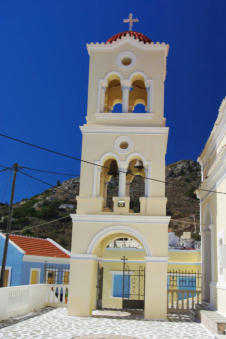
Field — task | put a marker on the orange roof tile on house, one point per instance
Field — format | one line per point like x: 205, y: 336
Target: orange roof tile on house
x: 38, y: 246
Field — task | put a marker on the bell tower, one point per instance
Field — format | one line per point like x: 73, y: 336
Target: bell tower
x: 125, y: 138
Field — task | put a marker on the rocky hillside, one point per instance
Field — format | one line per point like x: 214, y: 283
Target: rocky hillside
x: 182, y: 178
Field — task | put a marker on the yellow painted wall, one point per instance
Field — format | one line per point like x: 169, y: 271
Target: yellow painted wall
x: 189, y: 261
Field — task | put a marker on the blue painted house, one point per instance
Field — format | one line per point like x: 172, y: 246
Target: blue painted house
x: 34, y: 260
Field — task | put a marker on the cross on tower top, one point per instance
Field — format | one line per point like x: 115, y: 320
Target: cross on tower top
x: 130, y: 20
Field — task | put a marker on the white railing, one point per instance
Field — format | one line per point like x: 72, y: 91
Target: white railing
x: 57, y: 295
x: 180, y: 301
x: 18, y: 300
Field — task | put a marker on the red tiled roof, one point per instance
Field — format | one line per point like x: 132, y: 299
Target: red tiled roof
x: 38, y: 246
x: 135, y: 35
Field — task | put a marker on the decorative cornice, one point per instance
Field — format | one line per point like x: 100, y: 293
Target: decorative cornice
x: 42, y: 259
x: 138, y: 219
x: 135, y: 42
x: 195, y: 263
x: 84, y: 256
x: 98, y: 129
x: 124, y: 116
x: 156, y: 259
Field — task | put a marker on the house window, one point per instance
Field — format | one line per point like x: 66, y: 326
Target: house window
x: 51, y: 277
x: 34, y: 276
x: 118, y: 286
x: 7, y: 276
x: 66, y: 278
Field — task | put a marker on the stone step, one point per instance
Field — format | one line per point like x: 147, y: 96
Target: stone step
x: 212, y: 320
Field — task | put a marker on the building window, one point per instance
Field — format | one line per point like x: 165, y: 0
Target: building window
x: 7, y: 276
x: 66, y: 277
x: 34, y: 276
x: 117, y: 281
x: 51, y: 277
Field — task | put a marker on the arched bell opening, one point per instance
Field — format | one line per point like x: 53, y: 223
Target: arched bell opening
x: 109, y: 179
x: 135, y: 183
x: 113, y: 95
x: 138, y: 95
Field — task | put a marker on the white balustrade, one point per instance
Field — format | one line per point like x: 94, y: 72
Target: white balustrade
x: 57, y: 295
x: 180, y: 301
x: 18, y: 300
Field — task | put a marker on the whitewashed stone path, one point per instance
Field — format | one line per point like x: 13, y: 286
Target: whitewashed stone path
x: 56, y: 324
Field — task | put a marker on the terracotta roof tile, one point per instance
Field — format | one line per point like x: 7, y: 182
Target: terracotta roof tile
x: 38, y: 246
x: 135, y: 35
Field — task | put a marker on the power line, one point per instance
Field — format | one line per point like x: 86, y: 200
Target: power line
x: 66, y: 216
x: 45, y: 223
x: 51, y: 172
x: 34, y: 178
x: 68, y: 156
x: 48, y: 150
x: 88, y: 162
x: 42, y: 181
x: 4, y: 170
x: 5, y: 167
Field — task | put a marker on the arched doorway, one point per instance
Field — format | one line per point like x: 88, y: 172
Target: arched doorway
x: 121, y: 275
x: 120, y: 268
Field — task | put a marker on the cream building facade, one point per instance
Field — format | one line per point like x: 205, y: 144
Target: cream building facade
x: 126, y: 72
x: 213, y: 214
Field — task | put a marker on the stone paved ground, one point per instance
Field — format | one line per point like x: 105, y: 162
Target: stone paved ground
x: 56, y: 324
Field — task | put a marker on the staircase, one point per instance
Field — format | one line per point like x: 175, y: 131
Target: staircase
x: 211, y: 319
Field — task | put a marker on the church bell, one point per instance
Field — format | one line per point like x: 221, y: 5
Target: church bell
x: 139, y: 165
x: 113, y: 169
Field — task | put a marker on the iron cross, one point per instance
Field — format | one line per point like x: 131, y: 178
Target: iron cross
x: 130, y: 20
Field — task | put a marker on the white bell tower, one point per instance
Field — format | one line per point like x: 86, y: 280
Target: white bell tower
x: 124, y: 137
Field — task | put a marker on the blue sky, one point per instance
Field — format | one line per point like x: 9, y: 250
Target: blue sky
x: 44, y: 75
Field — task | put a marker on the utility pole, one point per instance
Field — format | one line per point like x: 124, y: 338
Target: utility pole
x: 9, y: 223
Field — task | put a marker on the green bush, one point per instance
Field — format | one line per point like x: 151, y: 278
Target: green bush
x: 50, y: 210
x: 25, y: 210
x: 196, y: 236
x: 190, y: 193
x: 21, y: 221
